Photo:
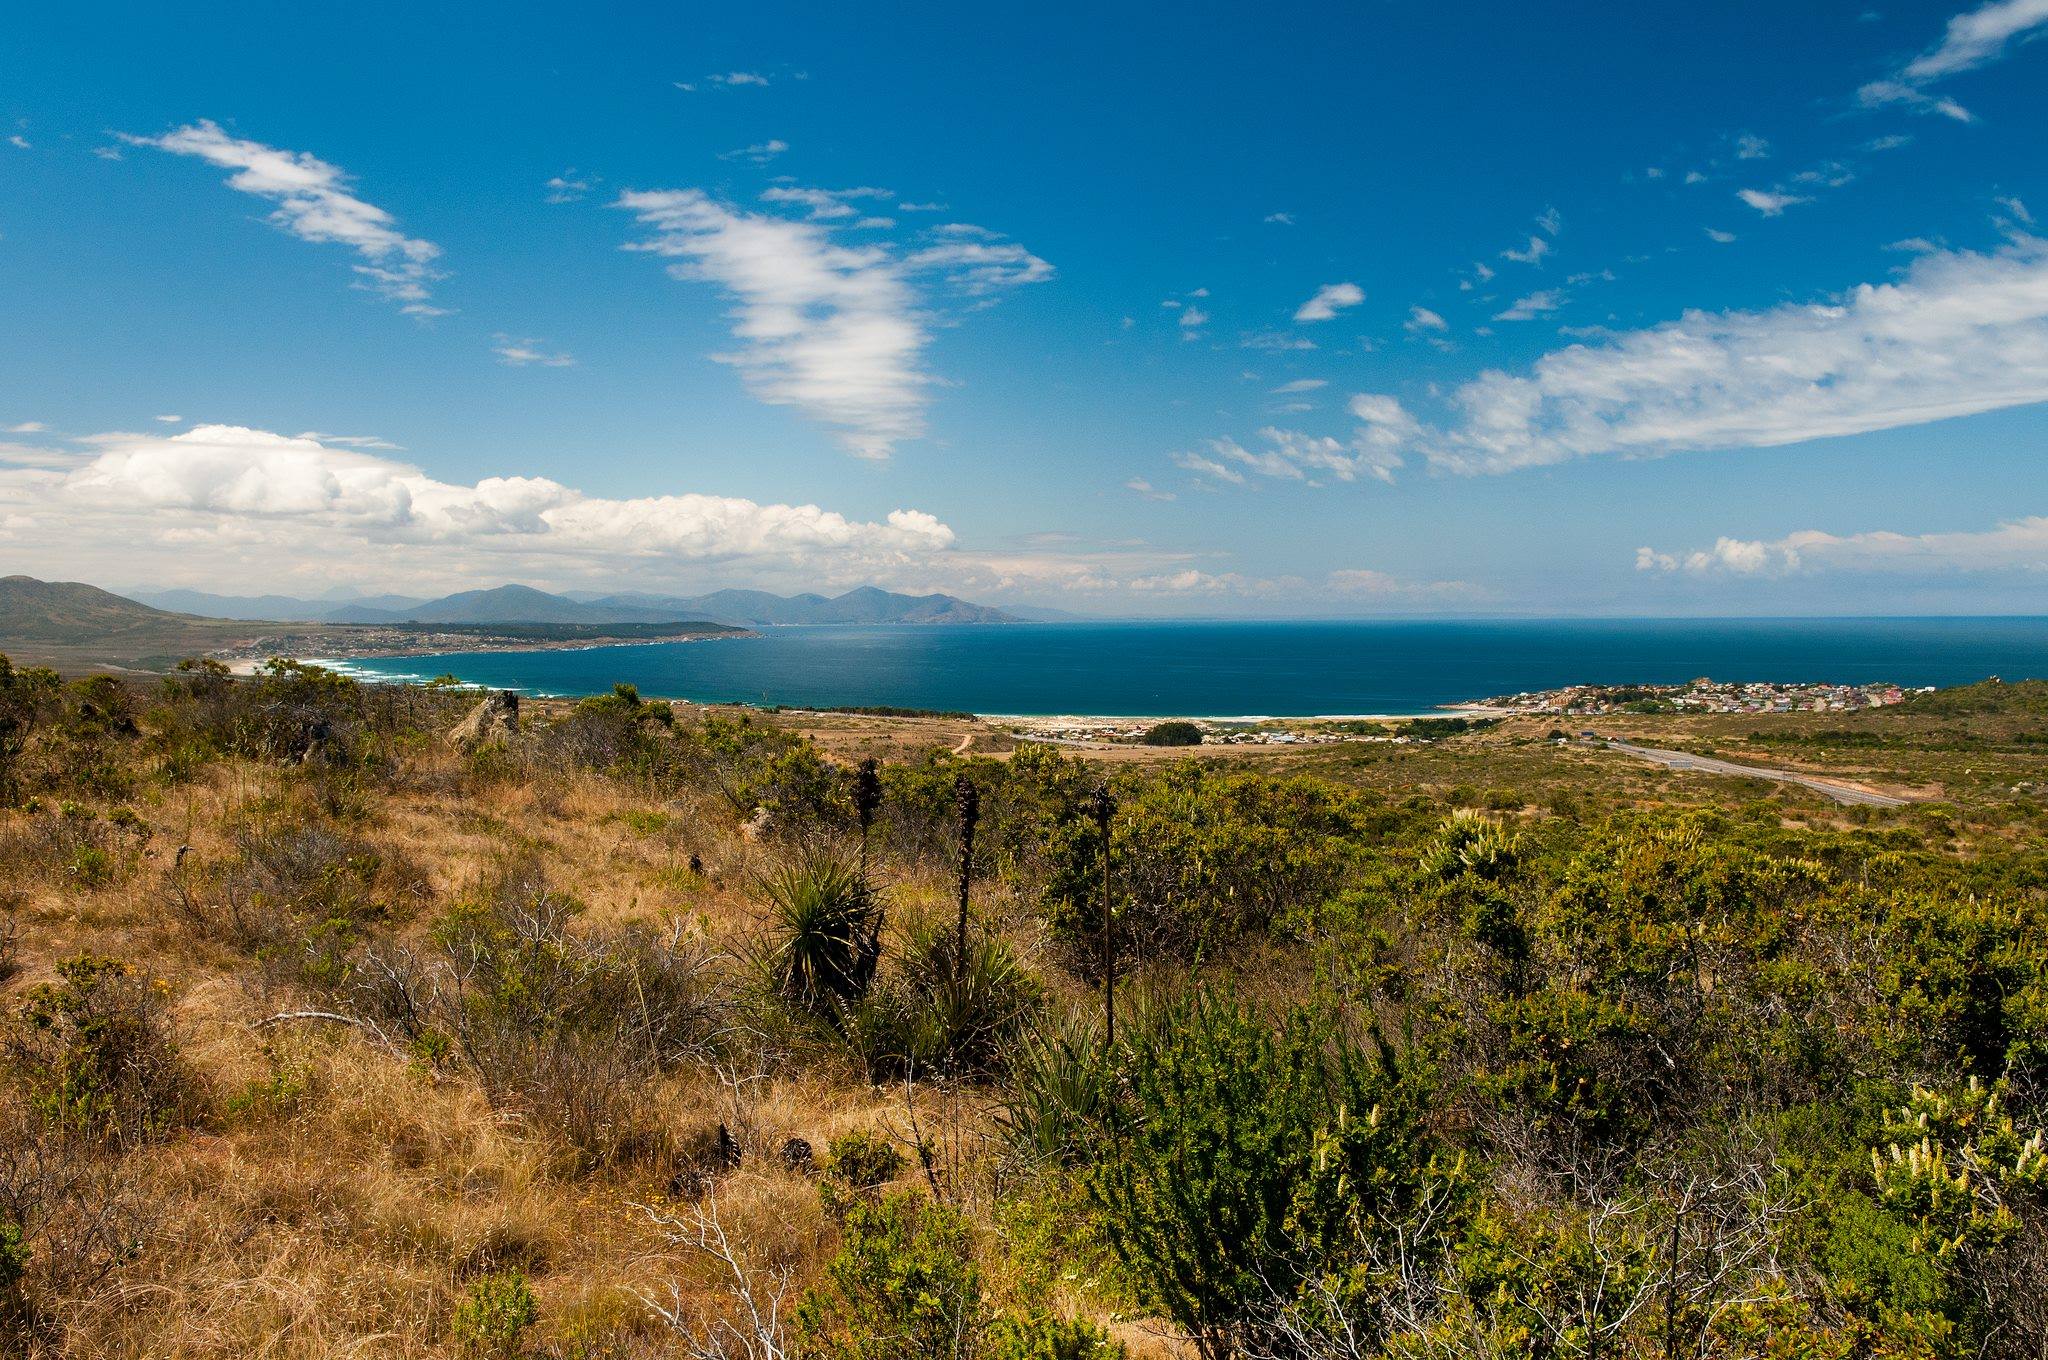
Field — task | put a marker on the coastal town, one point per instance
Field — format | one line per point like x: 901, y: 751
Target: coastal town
x: 1698, y: 696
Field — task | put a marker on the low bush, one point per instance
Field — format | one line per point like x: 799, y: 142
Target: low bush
x: 936, y: 1015
x: 1259, y: 1162
x: 1062, y: 1095
x: 69, y: 1216
x: 299, y: 895
x: 903, y: 1286
x: 566, y: 1027
x: 492, y: 1320
x: 94, y: 1051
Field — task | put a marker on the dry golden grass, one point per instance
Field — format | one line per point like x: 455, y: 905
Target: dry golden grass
x: 339, y: 1195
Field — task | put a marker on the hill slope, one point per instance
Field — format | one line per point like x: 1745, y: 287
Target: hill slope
x: 72, y: 612
x: 77, y: 627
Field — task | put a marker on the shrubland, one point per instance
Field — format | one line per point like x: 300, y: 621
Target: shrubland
x: 654, y: 1031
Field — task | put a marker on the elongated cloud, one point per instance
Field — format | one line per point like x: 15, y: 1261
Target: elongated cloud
x: 836, y: 331
x: 1329, y: 300
x: 1960, y: 333
x: 1971, y: 40
x: 277, y: 502
x: 1979, y: 36
x: 315, y: 203
x: 2017, y: 545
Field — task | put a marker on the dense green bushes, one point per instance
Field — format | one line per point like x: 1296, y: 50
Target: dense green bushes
x: 1259, y: 1163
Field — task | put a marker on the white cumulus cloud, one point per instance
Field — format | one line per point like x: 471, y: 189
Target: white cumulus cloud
x: 218, y: 496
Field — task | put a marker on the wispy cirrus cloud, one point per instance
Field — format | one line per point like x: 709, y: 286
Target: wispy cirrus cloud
x: 1972, y: 39
x: 569, y: 186
x: 836, y: 331
x: 1979, y: 36
x: 1770, y: 202
x: 724, y: 80
x: 823, y: 205
x: 1540, y: 303
x: 520, y: 353
x: 760, y: 153
x: 1959, y: 333
x: 315, y: 202
x: 1372, y: 451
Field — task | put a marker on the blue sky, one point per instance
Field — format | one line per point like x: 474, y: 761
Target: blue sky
x: 1162, y: 310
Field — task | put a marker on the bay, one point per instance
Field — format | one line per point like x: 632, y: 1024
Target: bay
x: 1237, y: 669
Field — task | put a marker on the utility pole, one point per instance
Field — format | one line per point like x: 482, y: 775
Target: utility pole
x: 1103, y: 804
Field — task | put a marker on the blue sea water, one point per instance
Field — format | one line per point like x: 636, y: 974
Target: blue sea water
x: 1211, y: 669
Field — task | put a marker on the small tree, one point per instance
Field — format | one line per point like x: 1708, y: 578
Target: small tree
x: 1174, y: 733
x: 28, y: 696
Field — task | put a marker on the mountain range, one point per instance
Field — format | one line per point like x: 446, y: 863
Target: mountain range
x: 524, y: 604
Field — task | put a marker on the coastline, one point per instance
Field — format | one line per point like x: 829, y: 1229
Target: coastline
x: 247, y: 660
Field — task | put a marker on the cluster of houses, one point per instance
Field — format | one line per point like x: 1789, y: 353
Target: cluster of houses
x: 1131, y: 732
x: 1703, y: 696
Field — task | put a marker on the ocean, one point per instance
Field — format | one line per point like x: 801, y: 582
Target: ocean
x: 1241, y: 669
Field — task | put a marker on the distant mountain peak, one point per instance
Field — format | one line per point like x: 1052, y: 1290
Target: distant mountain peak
x: 515, y: 602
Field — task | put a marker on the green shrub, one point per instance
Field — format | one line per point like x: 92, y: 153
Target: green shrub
x: 1202, y: 857
x: 28, y: 699
x: 945, y: 1016
x: 1040, y: 1336
x: 562, y: 1025
x: 13, y: 1265
x: 862, y: 1161
x: 903, y: 1286
x: 95, y: 1052
x: 492, y: 1320
x: 1260, y: 1160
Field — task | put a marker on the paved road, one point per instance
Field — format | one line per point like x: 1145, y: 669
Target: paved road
x: 1683, y: 760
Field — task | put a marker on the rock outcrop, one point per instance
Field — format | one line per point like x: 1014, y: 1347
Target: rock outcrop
x: 492, y: 722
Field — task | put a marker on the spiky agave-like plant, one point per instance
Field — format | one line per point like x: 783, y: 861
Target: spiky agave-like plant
x: 826, y: 930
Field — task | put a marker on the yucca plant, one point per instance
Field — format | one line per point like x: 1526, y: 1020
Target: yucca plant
x: 1062, y: 1091
x: 962, y: 1012
x: 825, y: 932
